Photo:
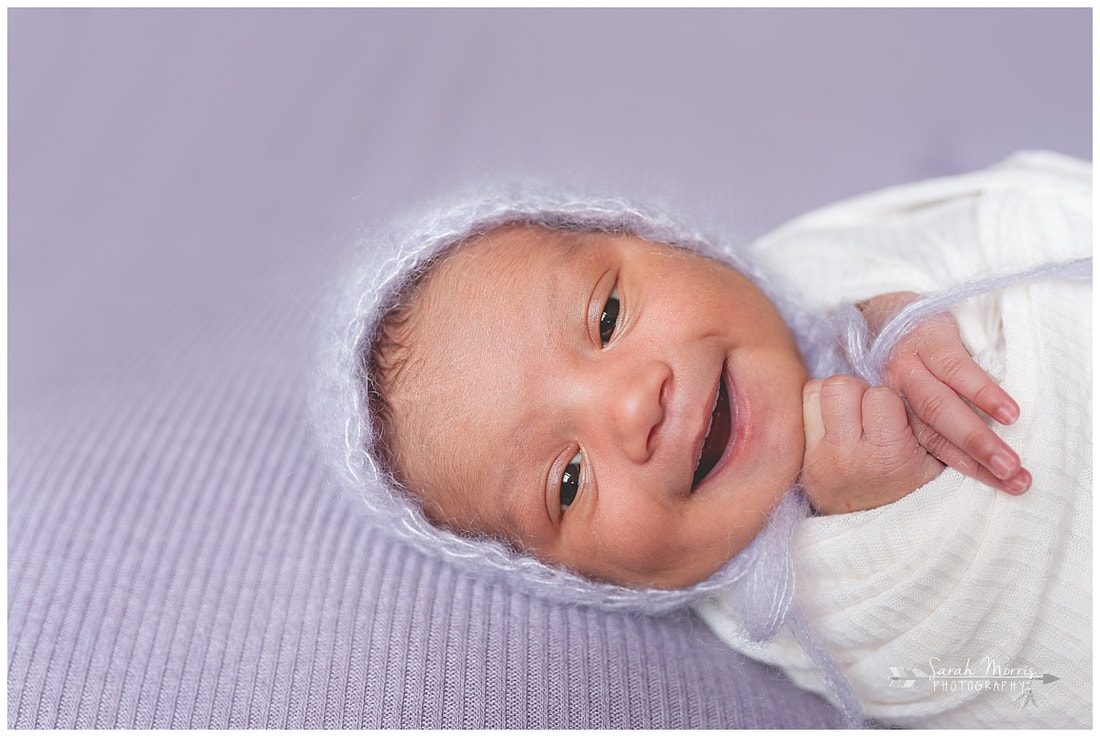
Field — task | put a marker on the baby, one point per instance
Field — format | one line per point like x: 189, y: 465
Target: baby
x: 634, y: 411
x: 606, y: 393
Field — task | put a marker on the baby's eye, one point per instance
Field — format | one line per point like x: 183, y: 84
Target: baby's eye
x: 570, y: 481
x: 609, y: 318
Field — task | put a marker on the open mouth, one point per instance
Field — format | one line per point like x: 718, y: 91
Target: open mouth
x: 718, y: 435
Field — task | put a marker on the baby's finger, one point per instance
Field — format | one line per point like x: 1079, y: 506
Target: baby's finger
x: 943, y: 410
x: 884, y: 416
x: 842, y: 408
x: 955, y: 367
x: 953, y: 456
x: 811, y: 413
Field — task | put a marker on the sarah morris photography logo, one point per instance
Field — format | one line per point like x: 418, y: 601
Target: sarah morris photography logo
x: 987, y: 674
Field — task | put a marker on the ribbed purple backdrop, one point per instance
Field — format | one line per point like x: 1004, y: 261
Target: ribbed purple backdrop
x: 180, y: 184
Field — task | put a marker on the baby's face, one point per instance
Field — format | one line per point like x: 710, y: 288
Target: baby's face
x: 627, y: 409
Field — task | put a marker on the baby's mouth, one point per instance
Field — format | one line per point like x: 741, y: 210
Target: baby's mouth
x: 718, y: 435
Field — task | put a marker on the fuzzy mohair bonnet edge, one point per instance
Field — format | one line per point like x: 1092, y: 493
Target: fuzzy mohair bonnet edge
x: 381, y: 266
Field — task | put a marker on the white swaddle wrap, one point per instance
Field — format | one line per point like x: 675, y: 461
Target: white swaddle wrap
x: 976, y: 603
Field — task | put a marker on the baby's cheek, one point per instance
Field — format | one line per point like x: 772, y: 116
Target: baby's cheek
x: 644, y: 544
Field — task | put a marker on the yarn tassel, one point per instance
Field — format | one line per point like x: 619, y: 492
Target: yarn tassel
x: 868, y: 358
x: 769, y: 584
x: 844, y: 697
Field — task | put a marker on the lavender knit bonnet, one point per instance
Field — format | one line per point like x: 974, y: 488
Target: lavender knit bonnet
x: 383, y: 265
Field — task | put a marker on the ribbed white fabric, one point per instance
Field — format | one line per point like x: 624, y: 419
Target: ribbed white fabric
x: 956, y: 575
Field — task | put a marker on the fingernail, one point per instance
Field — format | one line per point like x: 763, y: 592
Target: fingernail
x: 1001, y: 465
x: 1007, y: 414
x: 1020, y: 482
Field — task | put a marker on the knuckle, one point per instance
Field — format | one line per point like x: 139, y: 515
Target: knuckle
x: 936, y: 444
x: 841, y: 384
x: 883, y: 396
x: 930, y: 407
x: 907, y: 377
x: 952, y: 366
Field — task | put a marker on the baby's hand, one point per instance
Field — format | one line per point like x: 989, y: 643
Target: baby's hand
x: 861, y: 452
x: 933, y: 371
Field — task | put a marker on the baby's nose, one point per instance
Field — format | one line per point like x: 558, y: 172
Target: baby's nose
x: 638, y: 407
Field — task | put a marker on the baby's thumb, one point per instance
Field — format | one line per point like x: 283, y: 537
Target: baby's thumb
x: 812, y: 421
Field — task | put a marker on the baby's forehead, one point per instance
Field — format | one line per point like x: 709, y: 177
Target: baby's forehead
x: 509, y: 248
x: 474, y: 280
x: 480, y: 267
